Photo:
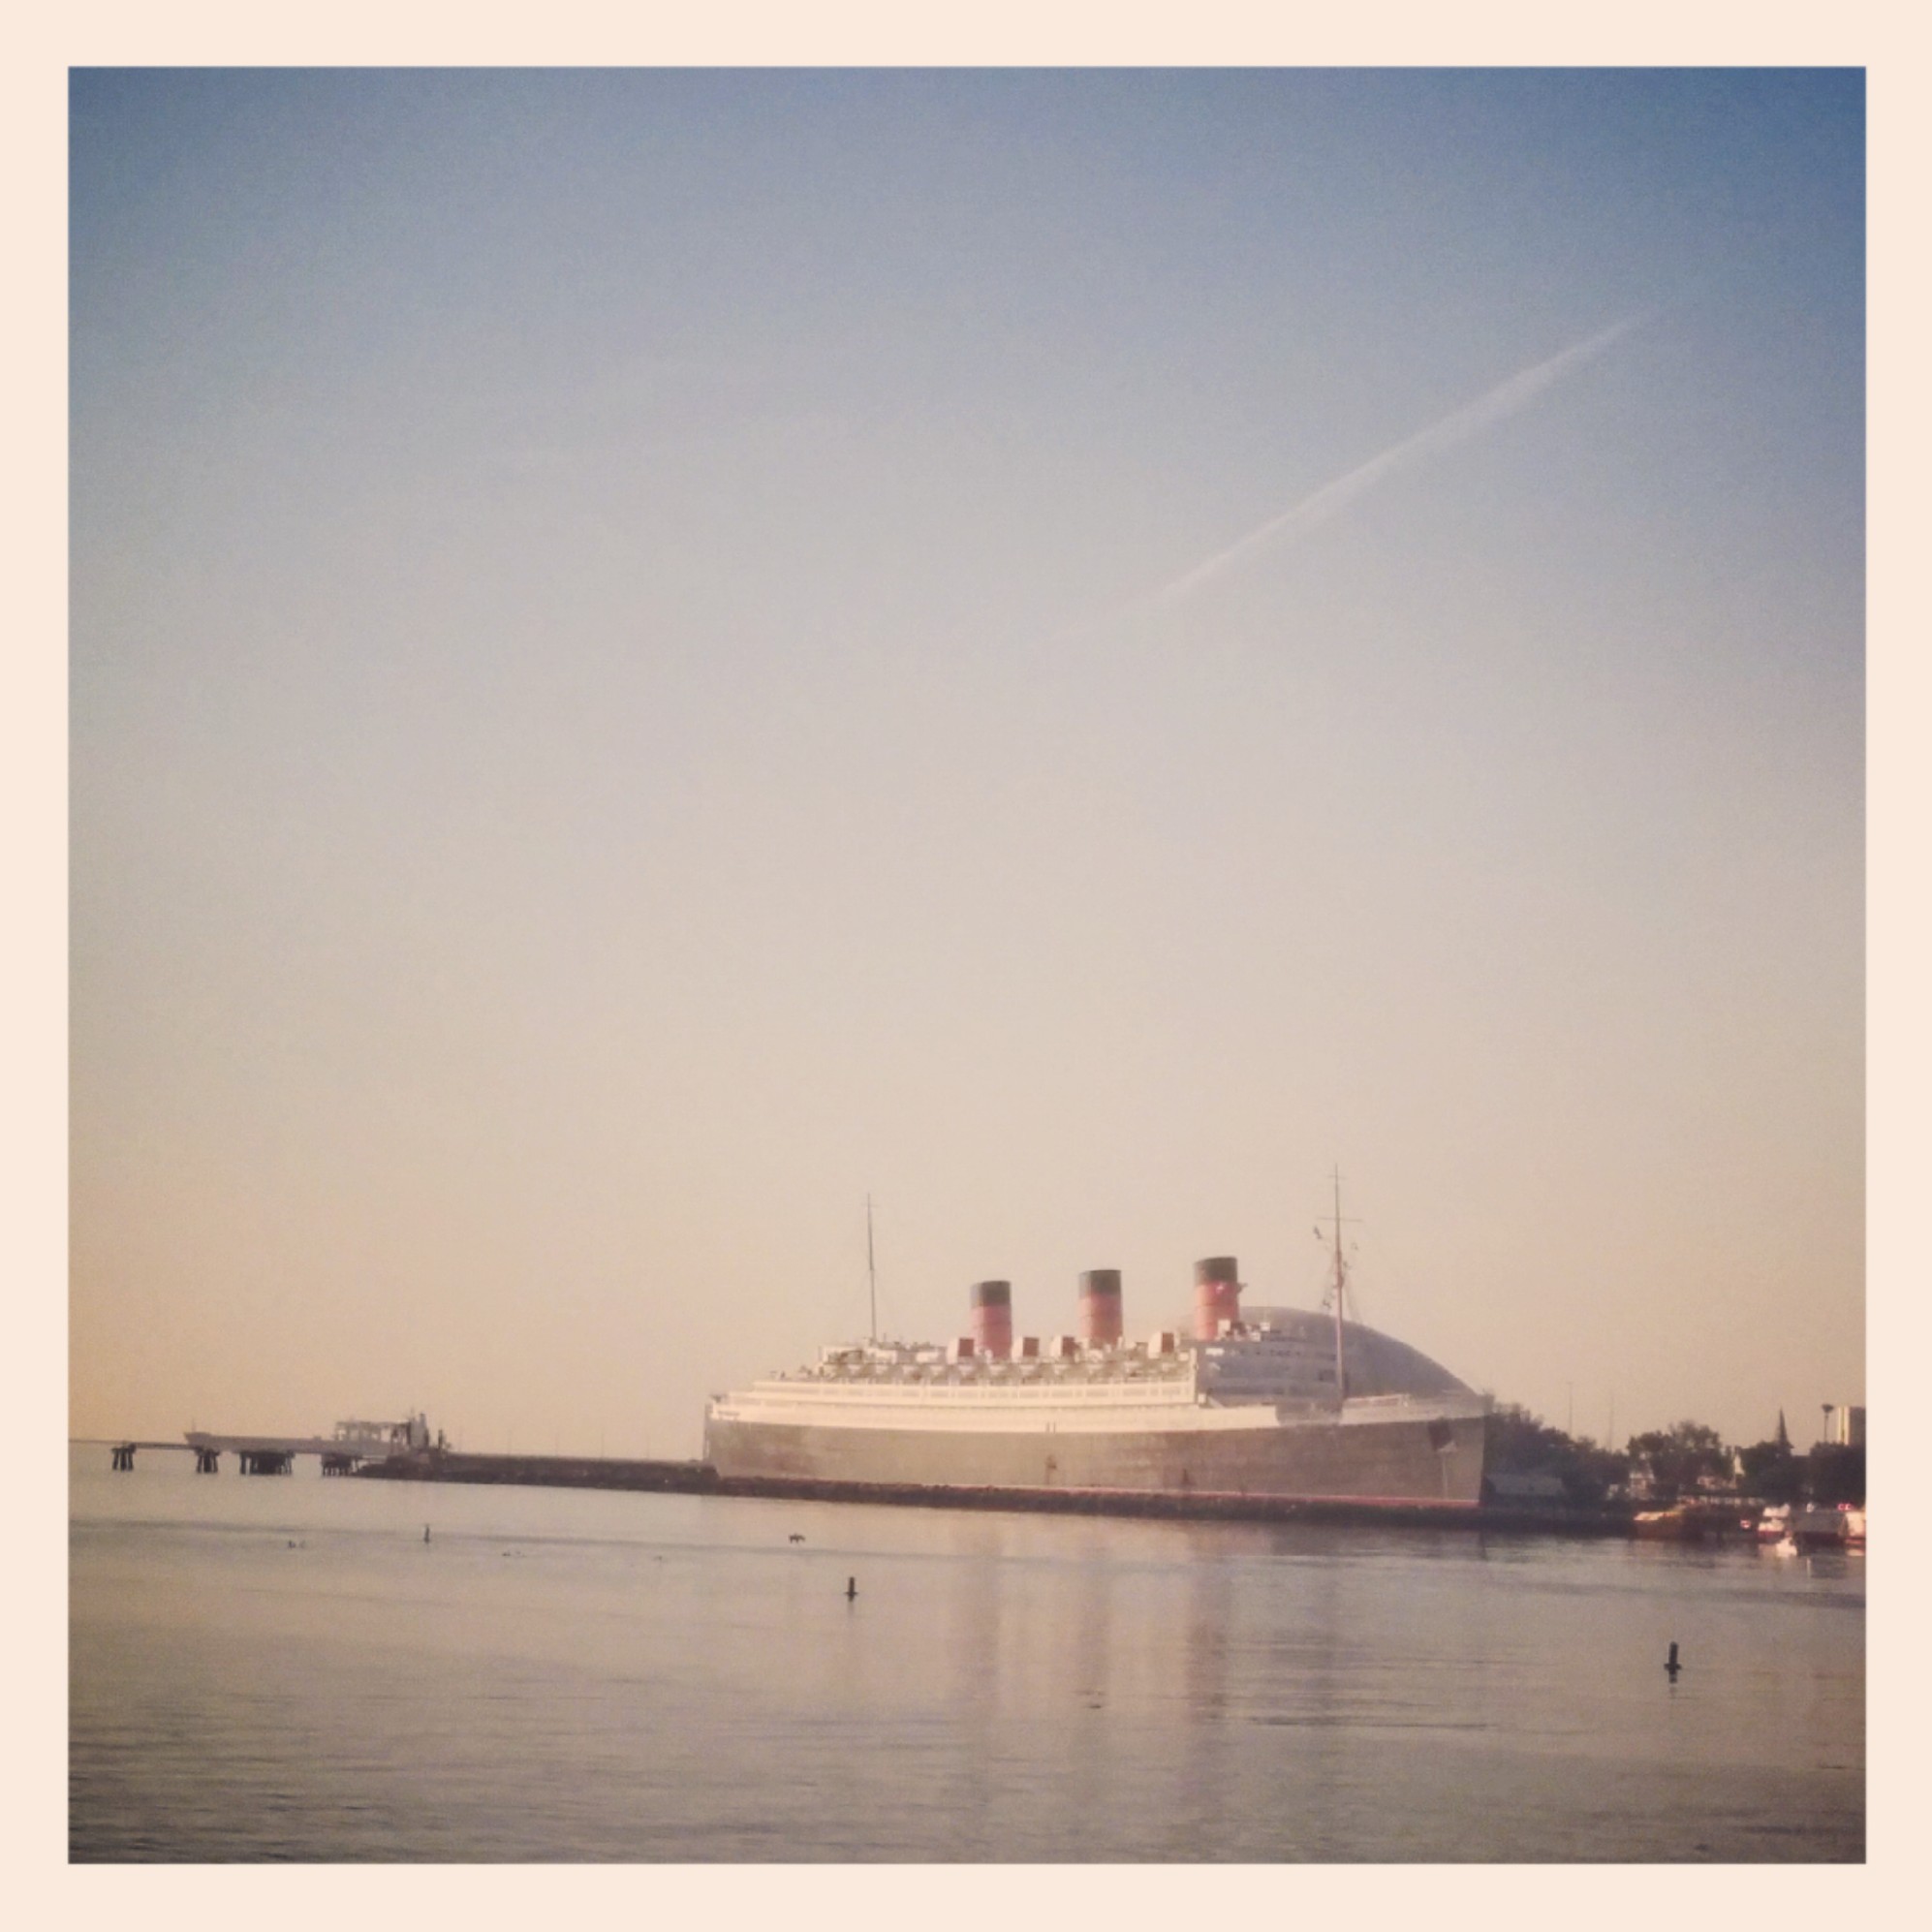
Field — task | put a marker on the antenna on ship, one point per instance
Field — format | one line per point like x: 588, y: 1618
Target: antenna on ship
x: 1341, y: 1282
x: 871, y: 1276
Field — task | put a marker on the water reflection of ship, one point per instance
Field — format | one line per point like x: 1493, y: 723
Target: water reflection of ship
x: 1209, y: 1740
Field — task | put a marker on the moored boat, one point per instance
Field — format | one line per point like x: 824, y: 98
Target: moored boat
x: 1255, y: 1403
x: 1813, y: 1528
x: 1681, y: 1523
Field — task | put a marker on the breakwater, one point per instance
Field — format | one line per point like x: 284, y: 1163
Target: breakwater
x: 545, y: 1472
x: 700, y: 1478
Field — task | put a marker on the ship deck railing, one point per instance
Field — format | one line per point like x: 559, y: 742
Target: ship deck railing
x: 1413, y: 1398
x: 1046, y: 1391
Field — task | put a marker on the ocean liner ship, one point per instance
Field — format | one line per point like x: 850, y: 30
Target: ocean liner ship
x: 1256, y: 1403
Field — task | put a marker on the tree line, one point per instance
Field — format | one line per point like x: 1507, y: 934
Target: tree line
x: 1688, y: 1459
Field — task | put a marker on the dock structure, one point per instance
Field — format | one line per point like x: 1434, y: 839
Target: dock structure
x: 701, y: 1478
x: 352, y: 1446
x: 123, y: 1451
x: 265, y: 1455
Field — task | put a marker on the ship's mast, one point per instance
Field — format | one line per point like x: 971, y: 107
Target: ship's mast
x: 871, y: 1276
x: 1341, y: 1280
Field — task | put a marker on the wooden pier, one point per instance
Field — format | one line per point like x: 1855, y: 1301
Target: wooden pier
x: 124, y: 1451
x: 340, y: 1455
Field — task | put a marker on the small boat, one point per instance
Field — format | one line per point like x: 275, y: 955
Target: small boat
x: 1819, y: 1529
x: 1681, y: 1525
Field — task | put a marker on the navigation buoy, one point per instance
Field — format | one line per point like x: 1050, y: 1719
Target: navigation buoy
x: 851, y: 1588
x: 1670, y: 1664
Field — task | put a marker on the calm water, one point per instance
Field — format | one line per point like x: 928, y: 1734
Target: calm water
x: 280, y: 1668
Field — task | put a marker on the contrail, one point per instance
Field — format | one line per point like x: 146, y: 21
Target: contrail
x: 1504, y: 399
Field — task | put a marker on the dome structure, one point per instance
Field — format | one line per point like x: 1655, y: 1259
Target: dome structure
x: 1375, y: 1363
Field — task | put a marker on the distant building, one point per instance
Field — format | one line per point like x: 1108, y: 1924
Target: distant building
x: 1844, y: 1426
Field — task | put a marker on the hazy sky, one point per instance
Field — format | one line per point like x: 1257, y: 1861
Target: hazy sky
x: 654, y: 652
